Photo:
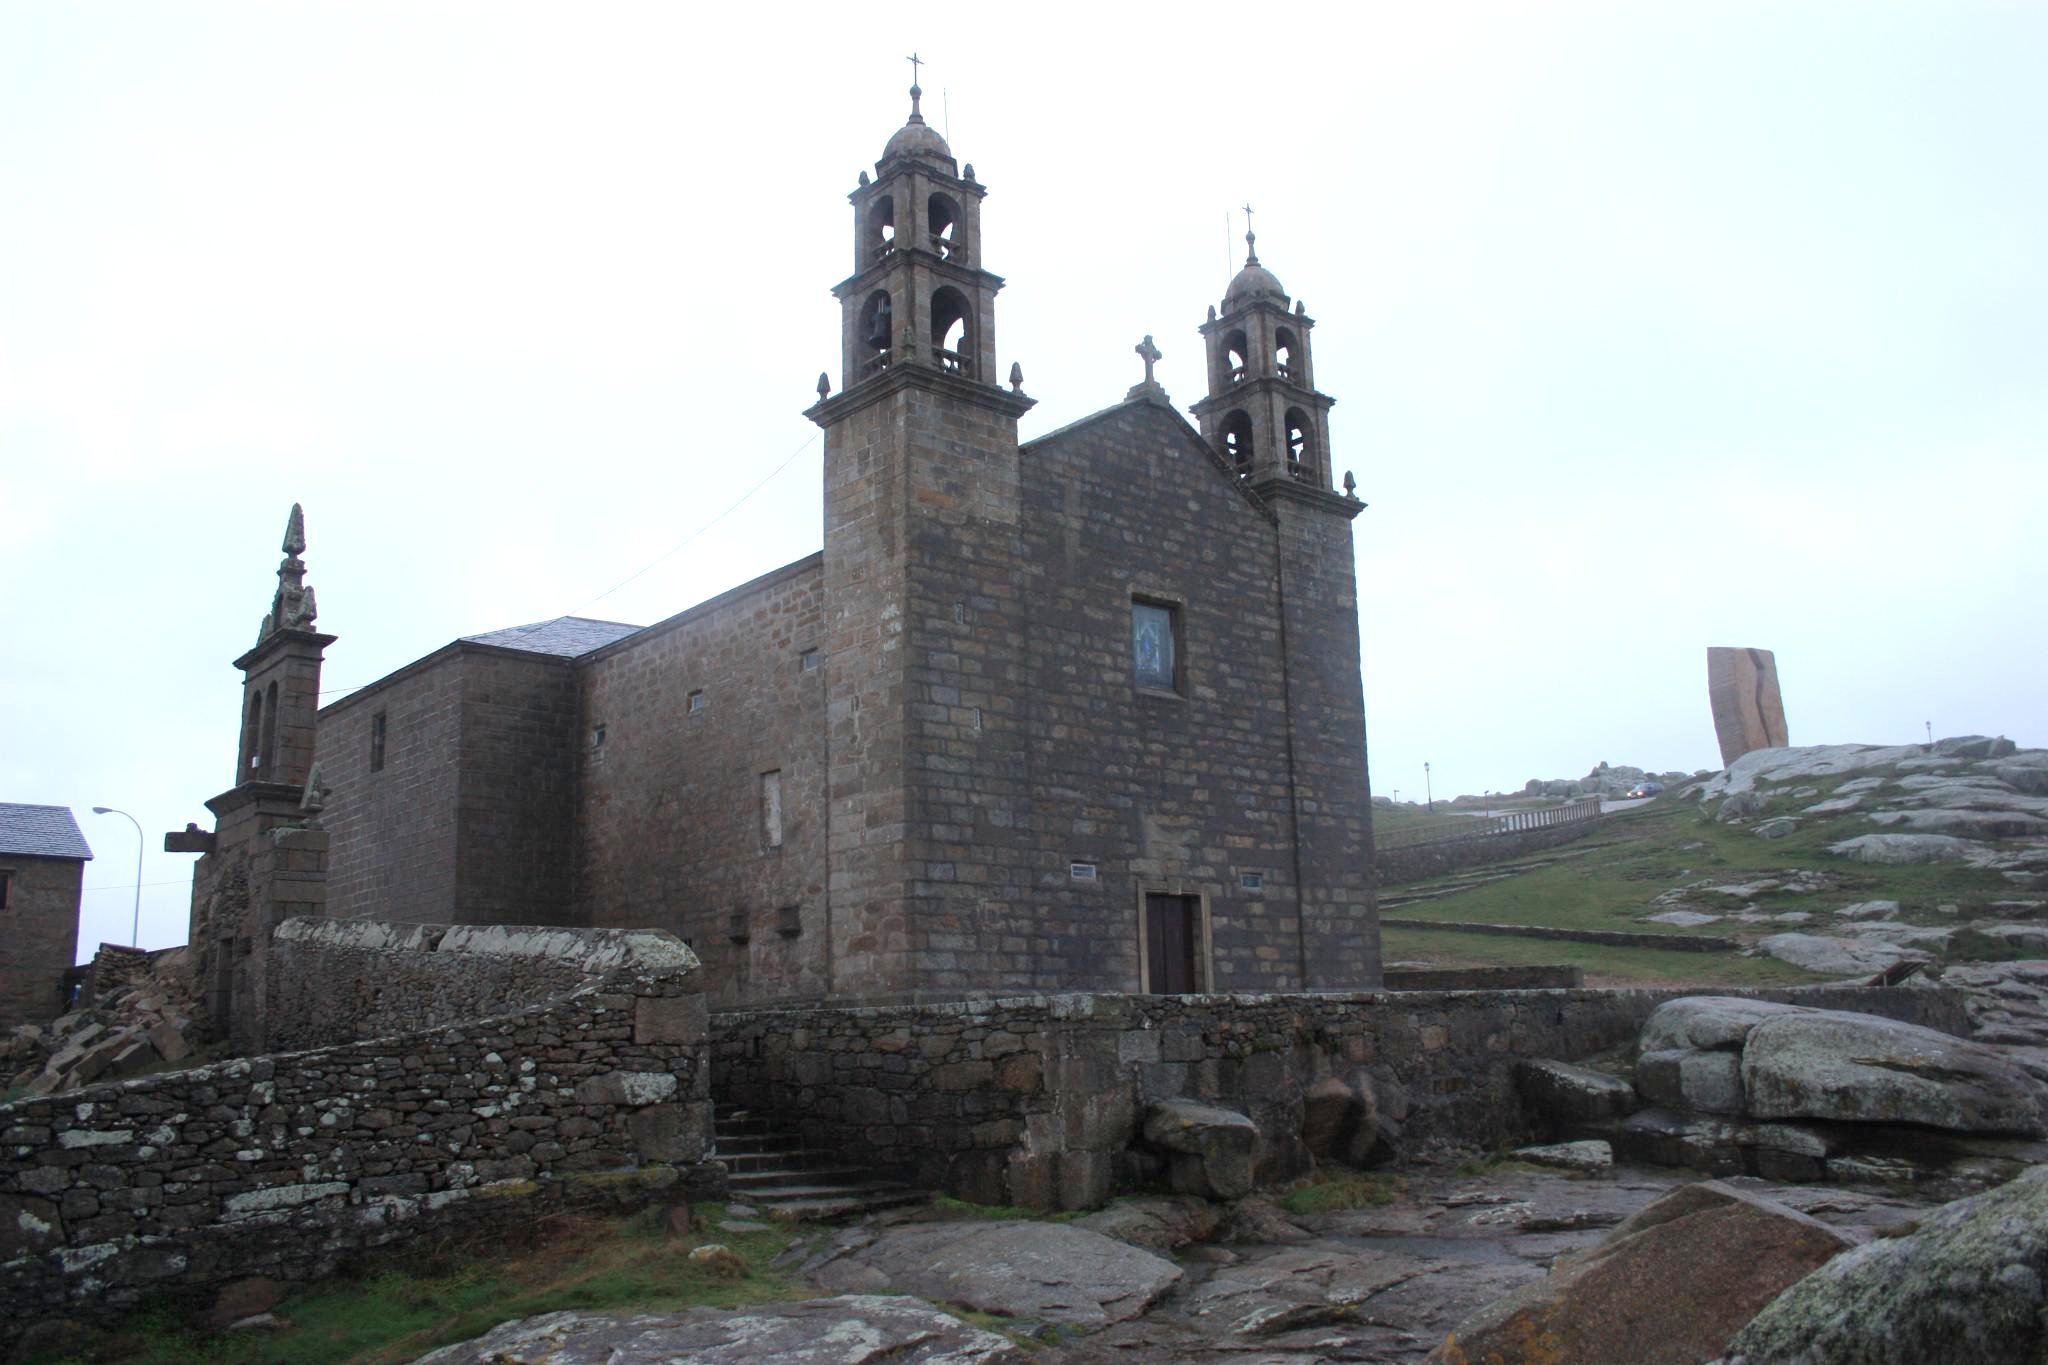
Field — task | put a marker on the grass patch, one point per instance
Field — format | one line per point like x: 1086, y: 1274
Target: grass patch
x: 404, y: 1306
x: 1604, y: 965
x: 1501, y: 1163
x: 1345, y: 1192
x: 945, y: 1207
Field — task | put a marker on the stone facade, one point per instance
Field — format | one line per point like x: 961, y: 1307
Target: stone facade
x: 924, y: 763
x: 1036, y: 1101
x: 284, y: 1165
x: 40, y: 909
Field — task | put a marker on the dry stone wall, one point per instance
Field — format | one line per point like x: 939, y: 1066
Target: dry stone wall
x: 1392, y: 866
x: 283, y: 1165
x: 1035, y: 1100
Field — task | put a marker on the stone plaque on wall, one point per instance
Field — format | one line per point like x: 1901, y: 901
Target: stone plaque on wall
x: 1749, y: 713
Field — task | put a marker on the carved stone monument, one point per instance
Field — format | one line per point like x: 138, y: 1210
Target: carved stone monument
x: 1749, y: 713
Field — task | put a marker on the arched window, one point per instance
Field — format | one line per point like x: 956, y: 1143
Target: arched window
x: 878, y: 236
x: 1301, y: 455
x: 1237, y: 441
x: 252, y: 737
x: 1285, y: 353
x: 1236, y: 350
x: 877, y: 332
x: 942, y: 218
x: 269, y: 758
x: 951, y: 334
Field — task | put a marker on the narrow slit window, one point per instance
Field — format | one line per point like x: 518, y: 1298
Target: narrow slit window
x: 696, y: 702
x: 771, y: 809
x: 377, y: 742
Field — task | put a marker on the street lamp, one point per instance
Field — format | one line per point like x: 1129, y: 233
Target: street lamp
x: 135, y: 930
x: 1428, y: 797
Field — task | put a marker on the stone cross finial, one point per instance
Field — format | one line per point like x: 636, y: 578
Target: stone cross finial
x: 1251, y: 249
x: 1150, y: 354
x: 915, y: 62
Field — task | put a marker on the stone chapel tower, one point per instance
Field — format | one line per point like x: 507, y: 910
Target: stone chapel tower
x: 1264, y: 415
x: 266, y: 859
x: 922, y: 547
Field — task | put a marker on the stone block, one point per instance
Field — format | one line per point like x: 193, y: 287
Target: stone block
x: 668, y: 1132
x: 627, y: 1088
x: 675, y: 1019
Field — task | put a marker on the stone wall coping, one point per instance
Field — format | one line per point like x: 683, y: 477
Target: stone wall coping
x: 1110, y: 1007
x: 600, y: 952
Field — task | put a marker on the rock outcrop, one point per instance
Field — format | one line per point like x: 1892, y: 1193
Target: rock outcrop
x: 1210, y: 1151
x: 1967, y: 1285
x: 850, y: 1330
x: 1671, y: 1284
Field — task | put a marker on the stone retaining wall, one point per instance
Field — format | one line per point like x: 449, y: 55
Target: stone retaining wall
x: 283, y: 1165
x: 1034, y: 1101
x: 1394, y: 866
x: 1617, y: 938
x: 338, y: 981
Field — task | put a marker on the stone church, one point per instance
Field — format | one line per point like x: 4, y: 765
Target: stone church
x: 1082, y: 713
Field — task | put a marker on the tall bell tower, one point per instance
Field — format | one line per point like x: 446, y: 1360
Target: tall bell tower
x: 1265, y: 416
x: 922, y: 551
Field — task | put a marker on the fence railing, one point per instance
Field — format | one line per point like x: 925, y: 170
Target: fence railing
x: 1486, y: 826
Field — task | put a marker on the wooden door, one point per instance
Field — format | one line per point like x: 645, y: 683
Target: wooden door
x: 1173, y: 930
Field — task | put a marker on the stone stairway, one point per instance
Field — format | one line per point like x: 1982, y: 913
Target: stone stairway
x: 774, y: 1171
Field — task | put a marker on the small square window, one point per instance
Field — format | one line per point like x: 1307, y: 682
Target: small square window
x: 789, y: 921
x: 597, y: 736
x: 1252, y: 881
x: 1155, y: 646
x: 737, y: 928
x: 696, y: 702
x: 1081, y: 872
x: 377, y: 742
x: 809, y: 660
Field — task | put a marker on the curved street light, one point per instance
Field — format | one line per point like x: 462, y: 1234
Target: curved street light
x: 135, y: 929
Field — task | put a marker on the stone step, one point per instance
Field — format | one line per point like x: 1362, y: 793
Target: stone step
x: 797, y: 1160
x: 809, y: 1175
x: 768, y: 1167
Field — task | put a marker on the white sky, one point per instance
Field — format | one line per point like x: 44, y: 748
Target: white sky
x: 1652, y: 327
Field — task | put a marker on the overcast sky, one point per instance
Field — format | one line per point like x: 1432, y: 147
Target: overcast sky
x: 1652, y: 327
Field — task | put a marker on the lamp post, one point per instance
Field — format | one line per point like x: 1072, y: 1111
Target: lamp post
x: 135, y: 929
x: 1428, y: 796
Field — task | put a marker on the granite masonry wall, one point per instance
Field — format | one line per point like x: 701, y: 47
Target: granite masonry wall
x: 284, y: 1165
x: 41, y: 938
x: 1035, y: 1100
x: 681, y: 824
x: 469, y: 815
x: 1393, y: 866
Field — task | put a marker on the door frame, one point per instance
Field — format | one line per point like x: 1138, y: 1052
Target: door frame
x: 1205, y: 966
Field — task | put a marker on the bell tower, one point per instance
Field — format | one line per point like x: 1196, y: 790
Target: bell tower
x: 1263, y: 412
x: 922, y: 552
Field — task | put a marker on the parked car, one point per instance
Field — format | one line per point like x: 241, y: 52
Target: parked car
x: 1646, y: 789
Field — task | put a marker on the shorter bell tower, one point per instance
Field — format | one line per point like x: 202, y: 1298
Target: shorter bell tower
x: 265, y: 860
x: 1263, y: 412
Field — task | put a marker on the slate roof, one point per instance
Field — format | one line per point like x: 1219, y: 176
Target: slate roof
x: 566, y: 636
x: 41, y: 832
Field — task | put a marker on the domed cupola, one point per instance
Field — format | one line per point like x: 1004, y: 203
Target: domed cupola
x: 1252, y: 282
x: 916, y: 139
x: 1263, y: 413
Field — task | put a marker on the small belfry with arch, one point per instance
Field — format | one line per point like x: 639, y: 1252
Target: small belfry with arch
x: 1074, y: 713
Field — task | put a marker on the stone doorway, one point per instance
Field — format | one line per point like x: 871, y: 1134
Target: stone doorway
x: 1173, y: 944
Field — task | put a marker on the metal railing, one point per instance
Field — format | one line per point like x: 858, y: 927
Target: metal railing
x: 1488, y: 826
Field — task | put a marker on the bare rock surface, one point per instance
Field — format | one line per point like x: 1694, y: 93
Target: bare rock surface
x: 1044, y: 1271
x: 1966, y: 1285
x: 1157, y: 1224
x: 1211, y: 1151
x: 1671, y: 1285
x: 1829, y: 1064
x: 852, y: 1329
x: 1837, y: 956
x: 1906, y: 848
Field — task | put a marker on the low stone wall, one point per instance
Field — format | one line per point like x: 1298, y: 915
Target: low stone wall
x: 1616, y: 938
x: 284, y: 1165
x: 1545, y: 978
x: 1394, y: 866
x: 1035, y: 1101
x: 337, y: 981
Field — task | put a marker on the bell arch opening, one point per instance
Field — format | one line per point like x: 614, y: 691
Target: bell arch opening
x: 1237, y: 440
x: 942, y: 221
x: 1286, y: 353
x: 1237, y: 349
x: 877, y: 332
x: 951, y: 334
x: 878, y: 232
x: 1301, y: 453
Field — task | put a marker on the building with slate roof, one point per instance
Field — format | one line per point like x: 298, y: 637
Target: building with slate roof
x: 1082, y: 713
x: 42, y: 870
